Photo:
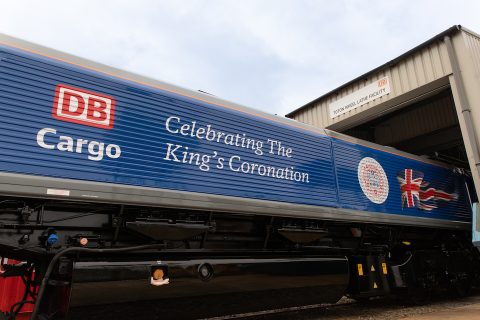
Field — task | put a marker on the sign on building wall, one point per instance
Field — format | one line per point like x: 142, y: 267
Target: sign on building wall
x: 360, y: 97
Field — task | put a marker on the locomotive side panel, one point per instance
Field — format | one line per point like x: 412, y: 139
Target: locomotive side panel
x: 75, y: 133
x: 379, y: 181
x: 61, y: 121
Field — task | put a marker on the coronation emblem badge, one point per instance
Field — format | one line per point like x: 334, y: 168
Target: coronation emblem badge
x: 373, y: 180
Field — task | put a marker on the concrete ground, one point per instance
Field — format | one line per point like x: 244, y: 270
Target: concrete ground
x: 441, y: 307
x: 470, y: 311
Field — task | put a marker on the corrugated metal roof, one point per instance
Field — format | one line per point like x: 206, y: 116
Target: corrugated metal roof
x: 452, y: 30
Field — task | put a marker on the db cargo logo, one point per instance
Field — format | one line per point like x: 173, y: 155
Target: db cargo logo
x: 382, y: 82
x: 83, y: 107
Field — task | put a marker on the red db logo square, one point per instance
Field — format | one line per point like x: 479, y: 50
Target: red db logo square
x: 382, y: 82
x: 83, y: 107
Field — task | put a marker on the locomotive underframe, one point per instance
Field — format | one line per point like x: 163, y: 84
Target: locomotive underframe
x: 209, y: 253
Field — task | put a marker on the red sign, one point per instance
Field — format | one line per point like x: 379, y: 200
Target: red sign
x: 11, y: 292
x: 382, y: 82
x: 83, y: 107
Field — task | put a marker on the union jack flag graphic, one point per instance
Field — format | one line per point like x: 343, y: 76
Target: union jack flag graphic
x: 416, y: 193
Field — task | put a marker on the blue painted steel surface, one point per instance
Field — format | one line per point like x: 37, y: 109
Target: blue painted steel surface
x: 348, y: 155
x: 146, y: 145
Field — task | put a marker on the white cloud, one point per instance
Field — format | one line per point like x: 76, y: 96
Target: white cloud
x: 272, y: 54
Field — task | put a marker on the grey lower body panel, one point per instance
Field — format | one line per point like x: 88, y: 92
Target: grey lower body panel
x: 20, y: 185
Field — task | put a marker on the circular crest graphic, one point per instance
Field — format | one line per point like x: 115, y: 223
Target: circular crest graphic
x: 373, y: 180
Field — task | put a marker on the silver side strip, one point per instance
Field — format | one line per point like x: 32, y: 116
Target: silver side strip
x: 85, y: 191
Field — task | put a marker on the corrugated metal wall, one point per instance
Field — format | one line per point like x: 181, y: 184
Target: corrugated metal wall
x: 429, y: 116
x: 468, y: 53
x: 472, y: 43
x: 415, y: 71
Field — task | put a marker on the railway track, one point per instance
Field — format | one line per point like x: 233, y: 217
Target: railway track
x: 183, y: 309
x: 227, y: 309
x: 378, y: 309
x: 317, y: 308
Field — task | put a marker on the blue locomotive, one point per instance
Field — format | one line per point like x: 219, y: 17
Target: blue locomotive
x: 105, y: 170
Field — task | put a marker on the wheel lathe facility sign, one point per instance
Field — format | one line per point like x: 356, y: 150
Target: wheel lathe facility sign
x: 360, y: 97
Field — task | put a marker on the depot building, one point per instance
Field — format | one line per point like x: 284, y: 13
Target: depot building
x: 425, y: 102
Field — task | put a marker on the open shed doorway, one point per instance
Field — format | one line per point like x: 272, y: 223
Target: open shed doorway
x: 427, y: 128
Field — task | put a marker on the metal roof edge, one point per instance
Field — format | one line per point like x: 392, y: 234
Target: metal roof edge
x: 451, y: 30
x: 473, y: 33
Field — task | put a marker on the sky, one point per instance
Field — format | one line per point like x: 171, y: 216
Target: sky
x: 272, y: 55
